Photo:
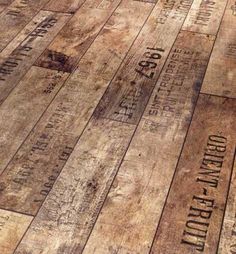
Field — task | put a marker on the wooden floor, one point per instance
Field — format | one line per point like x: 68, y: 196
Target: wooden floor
x: 117, y: 126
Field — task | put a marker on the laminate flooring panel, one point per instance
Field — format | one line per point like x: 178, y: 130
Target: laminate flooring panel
x: 117, y: 122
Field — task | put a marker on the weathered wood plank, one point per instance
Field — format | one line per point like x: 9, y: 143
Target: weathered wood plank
x: 32, y: 172
x: 227, y: 239
x: 128, y: 220
x: 221, y: 73
x: 130, y: 90
x: 20, y: 112
x: 15, y: 17
x: 12, y: 228
x: 75, y: 38
x: 205, y: 16
x: 64, y: 5
x: 21, y: 53
x: 68, y: 214
x: 4, y: 4
x: 192, y: 218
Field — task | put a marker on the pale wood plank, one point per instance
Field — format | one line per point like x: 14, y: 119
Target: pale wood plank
x: 130, y: 90
x: 221, y: 73
x: 64, y: 5
x: 68, y: 214
x: 227, y: 239
x: 75, y: 38
x: 20, y: 112
x: 15, y: 17
x: 45, y: 152
x: 192, y: 217
x: 12, y: 228
x: 205, y: 16
x: 21, y: 53
x: 129, y: 217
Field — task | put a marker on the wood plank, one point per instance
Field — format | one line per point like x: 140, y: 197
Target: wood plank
x: 68, y: 214
x: 46, y: 150
x: 12, y: 228
x: 192, y: 218
x: 4, y: 4
x: 129, y: 217
x: 130, y: 90
x: 205, y: 16
x: 227, y: 239
x: 64, y: 5
x: 22, y: 52
x: 75, y: 38
x: 221, y: 72
x: 23, y: 108
x: 15, y: 17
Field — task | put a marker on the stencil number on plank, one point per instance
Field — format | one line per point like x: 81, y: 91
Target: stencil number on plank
x: 149, y: 63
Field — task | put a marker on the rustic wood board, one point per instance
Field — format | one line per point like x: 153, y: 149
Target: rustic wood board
x: 23, y: 108
x: 192, y: 217
x: 221, y: 73
x: 46, y: 150
x: 4, y: 4
x: 15, y: 17
x: 12, y: 228
x: 127, y: 96
x: 205, y: 16
x: 128, y: 220
x: 23, y: 51
x: 70, y: 210
x: 75, y: 38
x: 64, y: 5
x: 227, y: 239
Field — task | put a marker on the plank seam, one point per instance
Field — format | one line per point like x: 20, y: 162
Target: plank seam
x: 219, y: 96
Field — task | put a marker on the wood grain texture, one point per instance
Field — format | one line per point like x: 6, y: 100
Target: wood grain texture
x: 192, y: 217
x: 205, y: 16
x: 46, y: 150
x: 75, y: 38
x: 64, y: 5
x: 4, y: 4
x: 228, y: 233
x: 129, y: 217
x: 12, y: 228
x: 68, y: 214
x: 21, y: 53
x: 15, y: 17
x: 221, y: 73
x: 20, y: 112
x: 131, y: 88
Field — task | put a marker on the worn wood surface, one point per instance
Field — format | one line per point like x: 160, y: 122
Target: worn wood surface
x: 15, y: 17
x: 56, y: 134
x: 140, y: 188
x: 193, y: 224
x: 22, y: 52
x: 75, y: 38
x: 12, y: 228
x: 205, y: 16
x: 64, y: 5
x: 117, y: 126
x: 221, y: 72
x: 23, y: 108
